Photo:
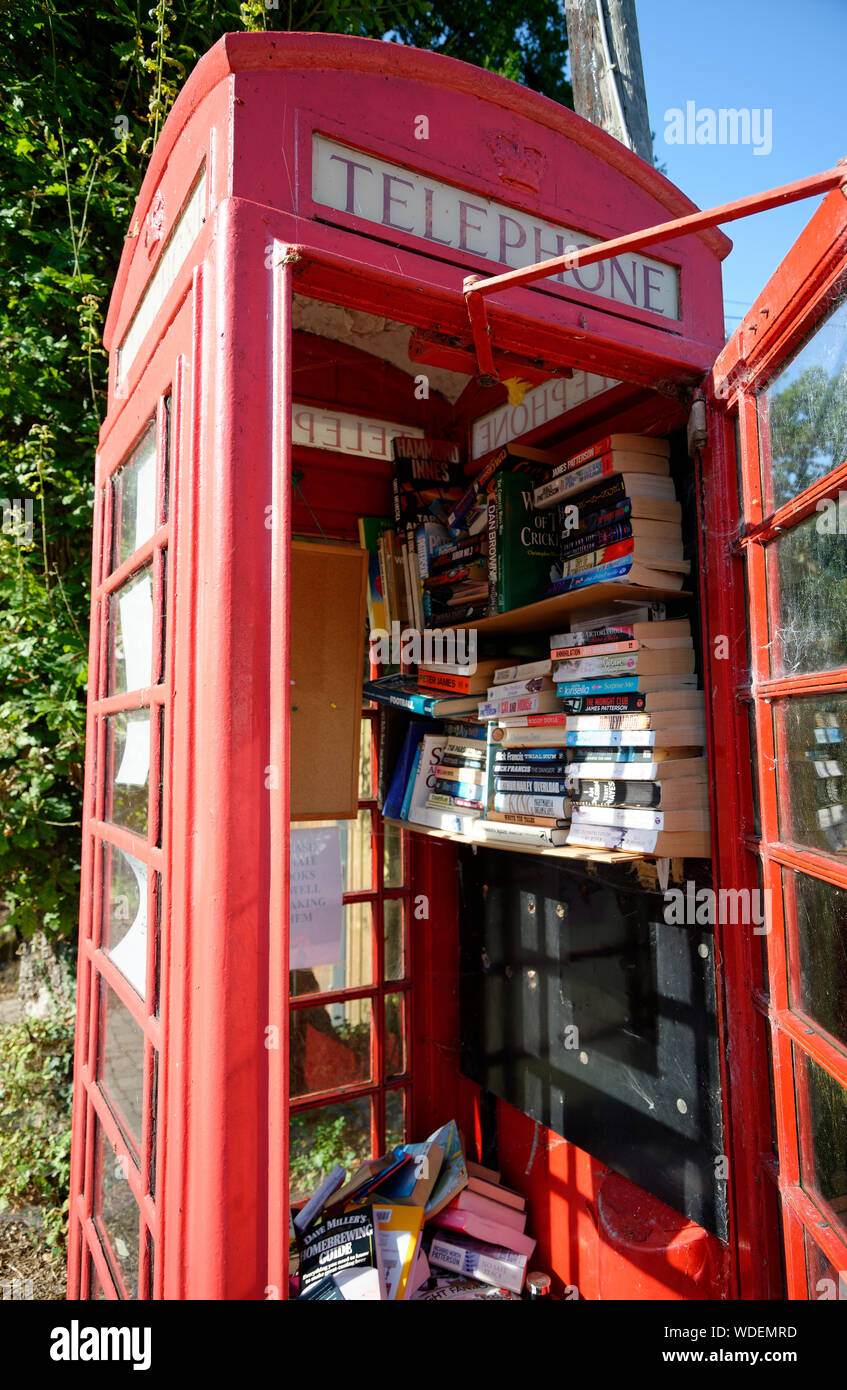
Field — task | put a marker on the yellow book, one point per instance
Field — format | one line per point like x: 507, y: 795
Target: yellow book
x: 398, y: 1239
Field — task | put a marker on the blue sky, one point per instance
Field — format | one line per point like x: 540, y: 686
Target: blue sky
x: 755, y: 54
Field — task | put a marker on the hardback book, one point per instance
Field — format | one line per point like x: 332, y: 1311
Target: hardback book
x: 478, y: 1170
x: 487, y: 1183
x: 644, y: 662
x: 333, y: 1243
x: 521, y: 544
x: 615, y: 443
x: 672, y: 795
x: 663, y: 769
x: 497, y: 1265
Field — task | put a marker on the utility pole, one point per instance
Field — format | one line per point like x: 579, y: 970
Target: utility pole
x: 606, y: 72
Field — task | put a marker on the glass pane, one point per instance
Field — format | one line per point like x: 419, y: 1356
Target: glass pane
x: 395, y: 944
x: 823, y: 1151
x: 395, y: 1035
x: 367, y: 790
x: 95, y: 1288
x: 161, y: 670
x: 157, y: 943
x: 330, y: 1046
x: 808, y: 731
x: 125, y: 915
x: 121, y: 1063
x: 818, y: 978
x: 802, y: 420
x: 134, y: 500
x: 395, y: 1118
x: 825, y: 1281
x: 392, y: 856
x: 117, y: 1212
x: 130, y: 665
x: 356, y: 849
x: 321, y: 1138
x: 355, y: 966
x: 807, y: 599
x: 128, y: 769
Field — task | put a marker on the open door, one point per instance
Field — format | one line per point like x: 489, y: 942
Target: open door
x: 776, y: 586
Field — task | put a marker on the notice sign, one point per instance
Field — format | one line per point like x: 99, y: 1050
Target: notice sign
x: 317, y: 912
x: 319, y: 427
x: 453, y: 220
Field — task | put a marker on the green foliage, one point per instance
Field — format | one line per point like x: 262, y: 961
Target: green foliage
x: 36, y: 1072
x: 86, y: 90
x: 322, y: 1138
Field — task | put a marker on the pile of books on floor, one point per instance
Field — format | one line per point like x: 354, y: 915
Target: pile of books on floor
x: 635, y: 733
x: 619, y: 516
x: 421, y: 1223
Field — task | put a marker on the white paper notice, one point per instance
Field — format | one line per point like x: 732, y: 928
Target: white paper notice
x: 317, y: 912
x: 136, y: 610
x: 135, y: 763
x: 130, y: 954
x: 145, y: 498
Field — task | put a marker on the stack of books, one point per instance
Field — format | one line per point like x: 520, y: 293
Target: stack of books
x: 635, y: 732
x: 459, y: 778
x: 620, y: 519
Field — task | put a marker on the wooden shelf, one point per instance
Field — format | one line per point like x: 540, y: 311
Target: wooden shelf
x: 598, y: 856
x: 545, y: 614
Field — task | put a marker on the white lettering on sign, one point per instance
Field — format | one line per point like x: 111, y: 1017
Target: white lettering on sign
x: 315, y: 899
x: 450, y: 219
x: 341, y: 433
x: 545, y: 402
x: 180, y: 242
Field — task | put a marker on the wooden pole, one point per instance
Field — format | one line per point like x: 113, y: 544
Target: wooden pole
x: 606, y: 72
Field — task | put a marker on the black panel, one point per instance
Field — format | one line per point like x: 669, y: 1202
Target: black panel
x: 585, y: 1010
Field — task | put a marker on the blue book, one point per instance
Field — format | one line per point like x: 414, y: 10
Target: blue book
x: 610, y: 685
x: 615, y: 569
x: 397, y: 790
x: 405, y: 694
x: 410, y: 785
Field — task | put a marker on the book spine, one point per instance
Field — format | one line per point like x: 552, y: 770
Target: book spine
x: 619, y: 685
x: 600, y: 574
x: 604, y: 704
x: 622, y: 663
x: 567, y: 484
x: 492, y: 552
x: 528, y: 755
x: 475, y: 491
x: 606, y: 792
x: 597, y: 558
x: 558, y: 806
x: 582, y: 738
x: 625, y: 754
x: 595, y: 539
x: 528, y: 671
x: 521, y: 704
x: 610, y: 648
x: 594, y: 519
x: 439, y: 799
x: 515, y: 689
x: 612, y: 837
x: 602, y: 446
x: 552, y: 786
x: 440, y: 680
x: 626, y: 817
x: 610, y: 771
x: 608, y: 721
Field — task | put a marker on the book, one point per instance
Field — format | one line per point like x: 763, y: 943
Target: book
x: 547, y: 786
x: 392, y: 806
x: 465, y: 1291
x: 611, y: 443
x: 407, y: 694
x: 487, y: 1183
x: 515, y: 458
x: 612, y: 637
x: 633, y: 719
x: 625, y: 619
x: 442, y: 817
x: 521, y: 544
x: 478, y: 1170
x: 634, y: 701
x: 493, y: 1232
x: 529, y: 831
x: 398, y: 1238
x: 488, y: 1209
x: 644, y: 817
x: 406, y: 804
x: 525, y: 671
x: 470, y: 776
x: 490, y: 1264
x: 635, y: 552
x: 553, y: 806
x: 687, y: 735
x: 334, y: 1243
x: 312, y: 1209
x: 625, y: 685
x: 472, y: 683
x: 644, y: 662
x: 509, y: 818
x: 427, y: 480
x: 664, y: 769
x: 694, y: 844
x: 542, y: 703
x: 467, y: 793
x: 370, y: 530
x: 643, y: 475
x: 613, y: 490
x: 626, y: 568
x: 529, y: 758
x: 453, y: 1175
x: 505, y: 737
x: 412, y: 1184
x: 665, y: 795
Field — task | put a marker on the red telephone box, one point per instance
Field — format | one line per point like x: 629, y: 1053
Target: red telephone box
x: 291, y: 295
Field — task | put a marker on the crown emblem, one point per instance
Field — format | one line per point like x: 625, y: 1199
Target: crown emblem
x: 518, y: 164
x: 154, y: 223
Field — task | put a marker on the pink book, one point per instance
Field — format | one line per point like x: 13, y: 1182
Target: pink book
x: 492, y: 1232
x: 503, y: 1195
x: 491, y: 1211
